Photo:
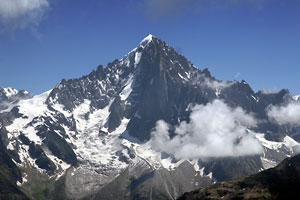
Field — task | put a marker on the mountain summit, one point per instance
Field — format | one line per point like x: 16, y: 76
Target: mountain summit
x: 90, y: 137
x: 151, y: 77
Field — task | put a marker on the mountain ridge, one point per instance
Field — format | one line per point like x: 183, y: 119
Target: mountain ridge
x: 91, y: 134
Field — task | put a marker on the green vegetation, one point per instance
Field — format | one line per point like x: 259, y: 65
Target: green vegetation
x: 40, y: 187
x: 8, y: 189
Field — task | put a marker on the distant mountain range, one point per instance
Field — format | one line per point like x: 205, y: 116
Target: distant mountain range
x: 129, y: 131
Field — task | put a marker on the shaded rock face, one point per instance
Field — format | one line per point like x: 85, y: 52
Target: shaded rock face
x: 135, y: 181
x: 71, y: 93
x: 229, y: 168
x: 281, y: 182
x: 9, y: 175
x: 7, y: 164
x: 160, y: 92
x: 60, y: 148
x: 42, y: 161
x: 116, y: 114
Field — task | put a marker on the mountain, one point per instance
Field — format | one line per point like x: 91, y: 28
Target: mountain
x: 9, y: 171
x: 10, y: 96
x: 280, y: 182
x: 90, y: 137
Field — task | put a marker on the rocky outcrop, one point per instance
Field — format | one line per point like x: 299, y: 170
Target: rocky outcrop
x: 281, y: 182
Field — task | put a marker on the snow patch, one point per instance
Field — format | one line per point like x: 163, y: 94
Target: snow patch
x: 180, y: 76
x: 256, y: 99
x: 137, y: 58
x: 147, y: 39
x: 24, y: 180
x: 296, y: 98
x: 9, y: 92
x: 195, y: 165
x: 60, y: 108
x: 10, y: 146
x: 287, y: 142
x: 202, y: 171
x: 127, y: 89
x: 168, y: 164
x: 268, y: 163
x: 79, y: 115
x: 95, y: 149
x: 210, y: 175
x: 218, y: 92
x: 35, y: 106
x: 30, y: 108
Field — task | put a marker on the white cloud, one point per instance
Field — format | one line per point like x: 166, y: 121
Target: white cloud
x: 211, y: 83
x: 214, y: 84
x: 214, y: 130
x: 269, y: 91
x: 21, y: 14
x: 286, y: 114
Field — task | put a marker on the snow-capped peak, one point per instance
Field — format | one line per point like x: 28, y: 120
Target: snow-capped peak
x: 296, y: 98
x: 142, y: 44
x: 146, y: 40
x: 10, y: 91
x: 9, y: 97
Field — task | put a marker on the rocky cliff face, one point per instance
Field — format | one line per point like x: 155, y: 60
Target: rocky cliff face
x: 89, y: 137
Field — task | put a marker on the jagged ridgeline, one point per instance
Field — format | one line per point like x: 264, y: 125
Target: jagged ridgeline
x: 92, y: 137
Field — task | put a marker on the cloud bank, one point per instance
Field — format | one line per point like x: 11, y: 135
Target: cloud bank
x: 21, y: 14
x: 214, y: 130
x: 285, y: 115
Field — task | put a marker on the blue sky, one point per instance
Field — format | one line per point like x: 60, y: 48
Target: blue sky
x: 44, y: 41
